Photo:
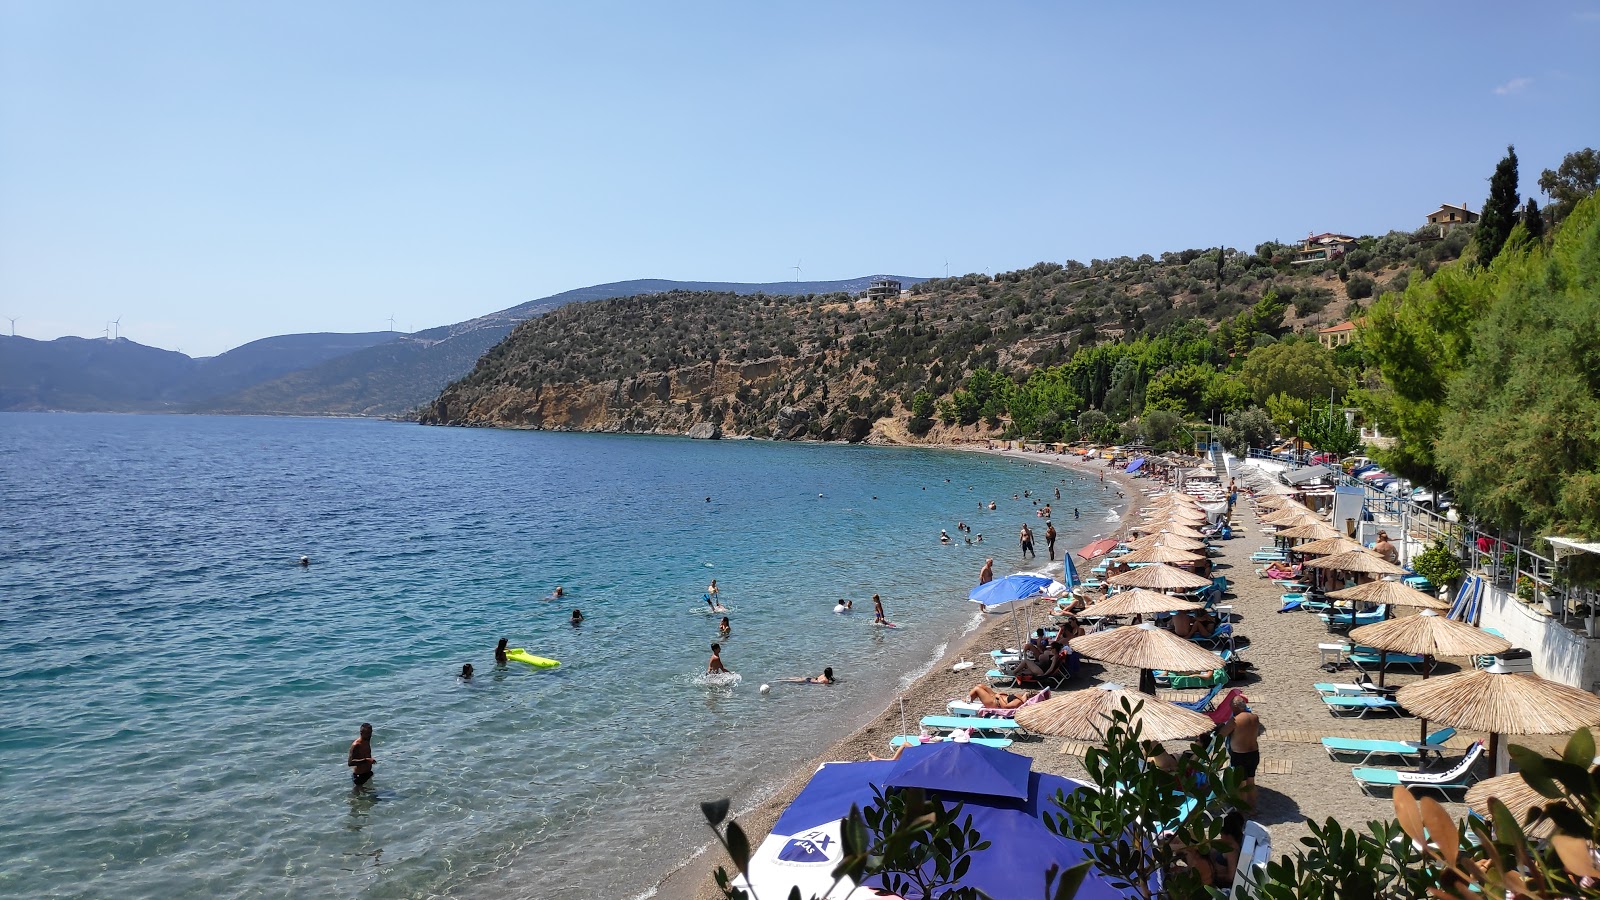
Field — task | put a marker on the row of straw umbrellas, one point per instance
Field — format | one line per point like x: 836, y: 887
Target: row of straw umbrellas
x: 1487, y: 700
x: 1477, y: 699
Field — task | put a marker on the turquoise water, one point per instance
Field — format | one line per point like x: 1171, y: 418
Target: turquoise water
x: 177, y: 695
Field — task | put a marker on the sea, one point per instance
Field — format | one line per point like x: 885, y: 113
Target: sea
x: 178, y: 694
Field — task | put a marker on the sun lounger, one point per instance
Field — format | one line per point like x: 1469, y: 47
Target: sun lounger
x: 1359, y: 706
x: 1409, y: 750
x: 1345, y: 689
x: 952, y: 723
x: 1224, y: 632
x: 974, y: 708
x: 1255, y: 851
x: 1458, y: 778
x: 1204, y: 703
x: 912, y: 740
x: 1365, y: 658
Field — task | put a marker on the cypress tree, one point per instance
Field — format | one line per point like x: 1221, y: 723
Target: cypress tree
x: 1500, y: 210
x: 1533, y: 220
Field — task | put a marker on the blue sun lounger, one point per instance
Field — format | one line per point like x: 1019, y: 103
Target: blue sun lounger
x: 1366, y: 658
x: 912, y: 740
x: 1204, y: 703
x: 1458, y: 778
x: 1359, y: 706
x: 951, y: 723
x: 1409, y: 750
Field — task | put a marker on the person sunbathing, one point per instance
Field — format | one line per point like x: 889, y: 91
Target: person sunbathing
x: 993, y: 699
x: 1158, y: 757
x: 1069, y: 629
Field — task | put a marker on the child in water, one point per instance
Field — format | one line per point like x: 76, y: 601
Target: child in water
x: 715, y: 666
x: 726, y: 628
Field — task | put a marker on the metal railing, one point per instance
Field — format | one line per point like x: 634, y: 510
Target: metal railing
x: 1510, y: 563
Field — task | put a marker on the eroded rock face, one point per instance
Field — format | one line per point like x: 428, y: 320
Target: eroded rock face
x: 856, y: 429
x: 791, y: 423
x: 705, y: 431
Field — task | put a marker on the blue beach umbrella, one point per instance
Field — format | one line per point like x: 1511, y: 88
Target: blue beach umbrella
x: 804, y: 846
x: 1008, y: 589
x: 965, y: 768
x: 1069, y: 572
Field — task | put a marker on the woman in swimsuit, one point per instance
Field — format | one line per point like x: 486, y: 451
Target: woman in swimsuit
x: 726, y: 628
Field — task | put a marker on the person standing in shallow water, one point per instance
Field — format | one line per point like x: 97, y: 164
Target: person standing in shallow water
x: 877, y: 611
x: 360, y: 760
x: 1050, y: 539
x: 1025, y: 537
x: 986, y: 574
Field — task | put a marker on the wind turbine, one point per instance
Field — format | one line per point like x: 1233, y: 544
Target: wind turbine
x: 796, y: 268
x: 13, y: 324
x: 117, y: 325
x: 947, y: 268
x: 391, y: 321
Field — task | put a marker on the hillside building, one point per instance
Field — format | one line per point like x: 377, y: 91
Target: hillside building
x: 1336, y: 335
x: 1448, y: 217
x: 883, y: 289
x: 1324, y: 247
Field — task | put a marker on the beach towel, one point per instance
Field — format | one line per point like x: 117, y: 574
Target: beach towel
x: 1292, y: 604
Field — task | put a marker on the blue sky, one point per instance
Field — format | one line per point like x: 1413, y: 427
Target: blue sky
x: 218, y: 172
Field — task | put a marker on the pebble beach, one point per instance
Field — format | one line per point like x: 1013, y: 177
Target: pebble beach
x: 1297, y: 782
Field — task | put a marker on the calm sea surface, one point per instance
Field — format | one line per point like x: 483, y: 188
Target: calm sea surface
x: 177, y: 695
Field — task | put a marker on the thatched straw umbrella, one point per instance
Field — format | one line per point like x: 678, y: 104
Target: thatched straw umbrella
x: 1182, y: 529
x: 1427, y: 635
x: 1140, y: 602
x: 1159, y: 577
x: 1191, y: 517
x: 1390, y: 593
x: 1359, y: 562
x: 1519, y: 798
x: 1084, y: 715
x: 1161, y: 554
x: 1146, y: 648
x: 1175, y: 541
x: 1310, y: 531
x: 1291, y: 517
x: 1501, y: 703
x: 1277, y: 501
x: 1329, y: 545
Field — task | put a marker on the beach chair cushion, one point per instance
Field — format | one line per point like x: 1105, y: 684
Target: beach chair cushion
x: 1459, y: 776
x: 913, y: 740
x: 1359, y: 705
x: 950, y: 723
x: 1371, y: 748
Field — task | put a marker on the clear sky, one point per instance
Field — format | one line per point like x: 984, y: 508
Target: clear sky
x: 219, y: 172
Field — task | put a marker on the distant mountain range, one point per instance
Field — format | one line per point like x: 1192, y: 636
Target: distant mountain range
x: 372, y: 374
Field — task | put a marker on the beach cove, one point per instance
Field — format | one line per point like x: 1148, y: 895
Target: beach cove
x: 162, y: 633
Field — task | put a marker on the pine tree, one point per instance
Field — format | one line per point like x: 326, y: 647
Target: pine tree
x: 1533, y: 220
x: 1500, y: 210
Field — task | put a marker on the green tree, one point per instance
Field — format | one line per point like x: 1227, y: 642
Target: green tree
x: 1181, y: 390
x: 1520, y: 435
x: 1575, y: 179
x: 1092, y: 423
x: 1533, y: 220
x: 1254, y: 426
x: 1328, y: 430
x: 1303, y: 369
x: 1500, y: 210
x: 921, y: 421
x: 1287, y: 412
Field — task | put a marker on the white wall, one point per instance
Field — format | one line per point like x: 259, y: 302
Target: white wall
x: 1559, y: 653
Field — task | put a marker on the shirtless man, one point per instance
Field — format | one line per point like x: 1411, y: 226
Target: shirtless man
x: 877, y: 611
x: 1050, y: 539
x: 715, y: 667
x: 360, y: 760
x: 1385, y: 549
x: 1243, y: 732
x: 1025, y: 537
x: 986, y: 574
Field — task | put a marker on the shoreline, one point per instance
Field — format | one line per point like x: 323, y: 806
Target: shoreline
x: 691, y: 878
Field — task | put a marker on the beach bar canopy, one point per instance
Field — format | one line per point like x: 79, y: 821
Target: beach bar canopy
x: 1008, y: 804
x: 1309, y: 473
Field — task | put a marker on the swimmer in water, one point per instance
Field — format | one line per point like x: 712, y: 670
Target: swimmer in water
x: 500, y: 652
x: 991, y: 504
x: 557, y: 594
x: 305, y: 562
x: 877, y: 611
x: 726, y: 628
x: 944, y: 536
x: 466, y: 672
x: 844, y: 606
x: 825, y: 678
x: 715, y: 666
x: 577, y: 617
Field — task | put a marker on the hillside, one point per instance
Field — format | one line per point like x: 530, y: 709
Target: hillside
x: 830, y: 366
x: 374, y: 374
x: 396, y: 378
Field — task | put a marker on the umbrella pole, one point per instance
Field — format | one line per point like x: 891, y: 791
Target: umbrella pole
x: 1147, y: 682
x: 1383, y: 666
x: 1427, y: 666
x: 1494, y: 753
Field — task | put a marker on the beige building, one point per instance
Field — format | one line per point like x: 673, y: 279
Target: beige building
x: 1448, y: 217
x: 1324, y: 247
x: 1337, y: 335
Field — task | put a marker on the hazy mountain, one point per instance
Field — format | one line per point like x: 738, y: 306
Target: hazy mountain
x: 374, y: 374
